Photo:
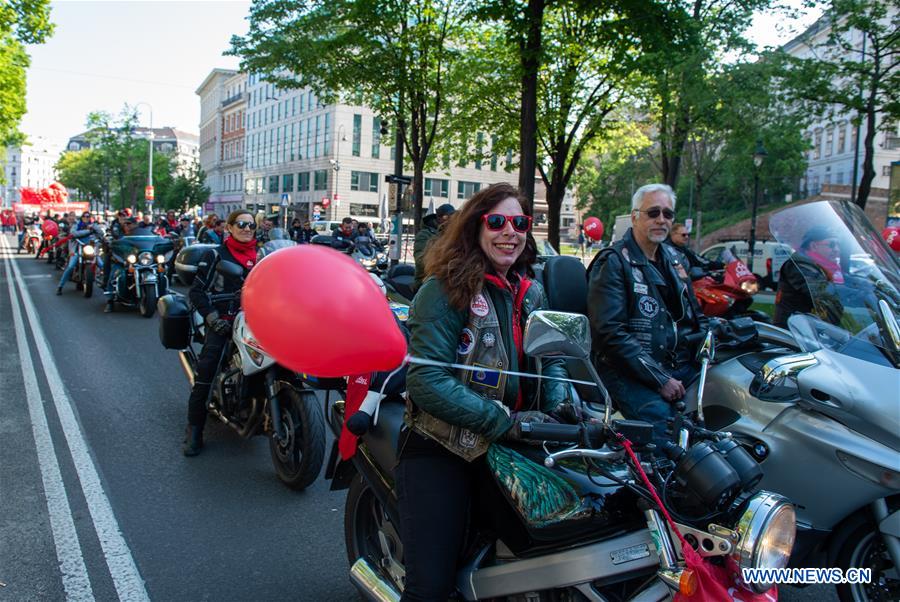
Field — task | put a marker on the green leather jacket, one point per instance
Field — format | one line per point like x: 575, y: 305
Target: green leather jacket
x: 435, y: 333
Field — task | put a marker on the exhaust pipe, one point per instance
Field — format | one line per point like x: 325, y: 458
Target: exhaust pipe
x: 186, y: 365
x: 371, y: 584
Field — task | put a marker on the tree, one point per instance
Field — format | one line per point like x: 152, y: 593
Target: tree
x: 82, y: 170
x: 844, y: 76
x: 188, y: 189
x: 677, y: 69
x: 396, y: 56
x: 21, y: 22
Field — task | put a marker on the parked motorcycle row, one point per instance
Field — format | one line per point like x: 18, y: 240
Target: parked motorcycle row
x: 785, y: 452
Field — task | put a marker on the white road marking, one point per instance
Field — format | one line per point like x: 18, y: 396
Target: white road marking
x: 75, y: 579
x: 122, y: 568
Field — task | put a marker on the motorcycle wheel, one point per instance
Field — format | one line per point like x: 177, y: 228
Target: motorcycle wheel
x: 864, y: 548
x: 370, y: 534
x: 88, y: 283
x: 148, y: 301
x: 298, y: 459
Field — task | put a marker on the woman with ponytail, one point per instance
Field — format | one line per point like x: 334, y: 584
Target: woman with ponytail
x: 240, y: 248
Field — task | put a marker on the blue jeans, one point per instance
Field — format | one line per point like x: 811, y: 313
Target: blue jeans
x: 637, y: 401
x: 115, y: 270
x: 67, y: 273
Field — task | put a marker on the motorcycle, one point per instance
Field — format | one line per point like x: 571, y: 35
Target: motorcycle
x: 366, y: 252
x: 818, y: 404
x: 571, y: 517
x: 85, y: 273
x: 142, y: 279
x: 250, y: 392
x: 31, y: 242
x: 727, y: 293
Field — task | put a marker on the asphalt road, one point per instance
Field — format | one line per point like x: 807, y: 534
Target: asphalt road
x: 96, y: 500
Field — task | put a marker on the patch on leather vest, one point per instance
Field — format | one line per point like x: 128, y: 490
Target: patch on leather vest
x: 648, y: 306
x: 466, y: 342
x: 479, y: 306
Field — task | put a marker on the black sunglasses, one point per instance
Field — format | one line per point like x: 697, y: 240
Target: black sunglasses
x: 654, y: 212
x: 497, y: 221
x: 245, y: 225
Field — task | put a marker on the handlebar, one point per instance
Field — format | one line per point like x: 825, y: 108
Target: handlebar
x: 590, y: 434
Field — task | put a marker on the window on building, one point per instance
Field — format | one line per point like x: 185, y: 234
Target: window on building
x: 886, y: 170
x: 479, y: 149
x: 493, y: 153
x: 842, y: 138
x: 320, y: 179
x: 364, y: 181
x: 891, y: 137
x: 249, y: 186
x: 273, y: 183
x: 287, y: 182
x: 852, y: 138
x: 817, y: 145
x: 465, y: 190
x: 302, y: 181
x: 436, y: 187
x: 327, y: 136
x: 829, y: 140
x: 302, y: 103
x: 357, y: 134
x: 509, y: 161
x: 320, y: 145
x: 376, y: 137
x: 839, y: 178
x: 309, y: 139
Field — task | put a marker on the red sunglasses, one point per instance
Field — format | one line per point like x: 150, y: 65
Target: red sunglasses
x: 497, y: 221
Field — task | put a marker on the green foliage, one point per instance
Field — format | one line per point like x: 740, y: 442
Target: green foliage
x: 841, y: 76
x: 188, y: 189
x: 396, y: 56
x: 21, y: 22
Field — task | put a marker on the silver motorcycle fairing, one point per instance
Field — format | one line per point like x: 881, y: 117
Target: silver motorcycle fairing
x: 628, y: 553
x: 863, y: 395
x: 253, y: 357
x: 802, y: 462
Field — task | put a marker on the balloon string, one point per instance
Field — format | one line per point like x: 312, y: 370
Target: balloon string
x: 384, y: 386
x: 409, y: 359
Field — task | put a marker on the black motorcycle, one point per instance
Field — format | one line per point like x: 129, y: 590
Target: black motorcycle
x: 570, y: 517
x: 251, y: 392
x: 141, y: 278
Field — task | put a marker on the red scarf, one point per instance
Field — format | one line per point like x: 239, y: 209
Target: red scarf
x: 517, y: 291
x: 244, y: 252
x: 832, y: 269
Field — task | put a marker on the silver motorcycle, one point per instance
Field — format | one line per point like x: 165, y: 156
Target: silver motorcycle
x: 818, y: 404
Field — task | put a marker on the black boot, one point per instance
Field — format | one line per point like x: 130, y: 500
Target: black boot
x: 109, y: 307
x: 193, y: 440
x: 59, y: 290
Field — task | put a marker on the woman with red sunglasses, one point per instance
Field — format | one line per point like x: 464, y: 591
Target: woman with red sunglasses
x: 471, y: 310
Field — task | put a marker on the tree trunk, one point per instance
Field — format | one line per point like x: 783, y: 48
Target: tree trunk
x: 868, y: 169
x: 556, y: 191
x: 531, y: 61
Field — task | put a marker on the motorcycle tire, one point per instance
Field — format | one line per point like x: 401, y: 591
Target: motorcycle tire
x: 370, y: 534
x: 148, y: 301
x: 298, y: 460
x: 864, y: 548
x: 88, y: 283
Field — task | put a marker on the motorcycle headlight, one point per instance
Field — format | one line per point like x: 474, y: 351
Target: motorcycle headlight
x: 132, y: 258
x: 160, y: 259
x: 145, y: 258
x: 751, y: 287
x: 369, y: 263
x: 766, y: 529
x: 88, y: 250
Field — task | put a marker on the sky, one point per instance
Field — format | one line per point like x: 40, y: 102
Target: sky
x: 104, y: 54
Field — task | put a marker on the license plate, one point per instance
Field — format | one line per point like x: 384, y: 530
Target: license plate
x: 630, y: 553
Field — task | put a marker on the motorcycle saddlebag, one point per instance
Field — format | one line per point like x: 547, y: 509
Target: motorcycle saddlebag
x: 174, y: 321
x: 188, y: 260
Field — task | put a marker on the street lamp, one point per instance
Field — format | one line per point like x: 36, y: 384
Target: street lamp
x: 336, y: 162
x: 150, y: 160
x: 759, y: 155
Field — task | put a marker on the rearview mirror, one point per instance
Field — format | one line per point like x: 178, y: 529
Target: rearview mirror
x: 230, y: 269
x: 557, y: 334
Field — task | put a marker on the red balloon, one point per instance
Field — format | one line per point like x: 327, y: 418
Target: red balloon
x: 318, y: 312
x: 593, y: 228
x: 50, y: 227
x: 891, y: 236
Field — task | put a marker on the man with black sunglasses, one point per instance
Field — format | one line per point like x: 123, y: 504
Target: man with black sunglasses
x: 641, y: 304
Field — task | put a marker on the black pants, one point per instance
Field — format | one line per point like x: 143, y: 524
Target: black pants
x: 206, y: 370
x: 435, y: 488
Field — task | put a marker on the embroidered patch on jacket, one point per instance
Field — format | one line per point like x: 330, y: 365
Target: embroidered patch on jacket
x: 486, y: 378
x: 479, y: 306
x: 466, y: 342
x: 640, y: 289
x: 648, y: 306
x: 467, y: 438
x: 637, y: 274
x: 489, y: 340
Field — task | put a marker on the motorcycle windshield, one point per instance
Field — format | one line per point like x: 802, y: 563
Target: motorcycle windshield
x: 847, y: 269
x: 273, y: 245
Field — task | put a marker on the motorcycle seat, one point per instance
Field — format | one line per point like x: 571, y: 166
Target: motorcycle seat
x: 565, y: 283
x: 381, y: 440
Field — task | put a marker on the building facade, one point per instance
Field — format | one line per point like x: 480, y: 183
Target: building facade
x: 330, y: 161
x: 223, y: 106
x: 30, y: 165
x: 837, y: 144
x: 183, y: 146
